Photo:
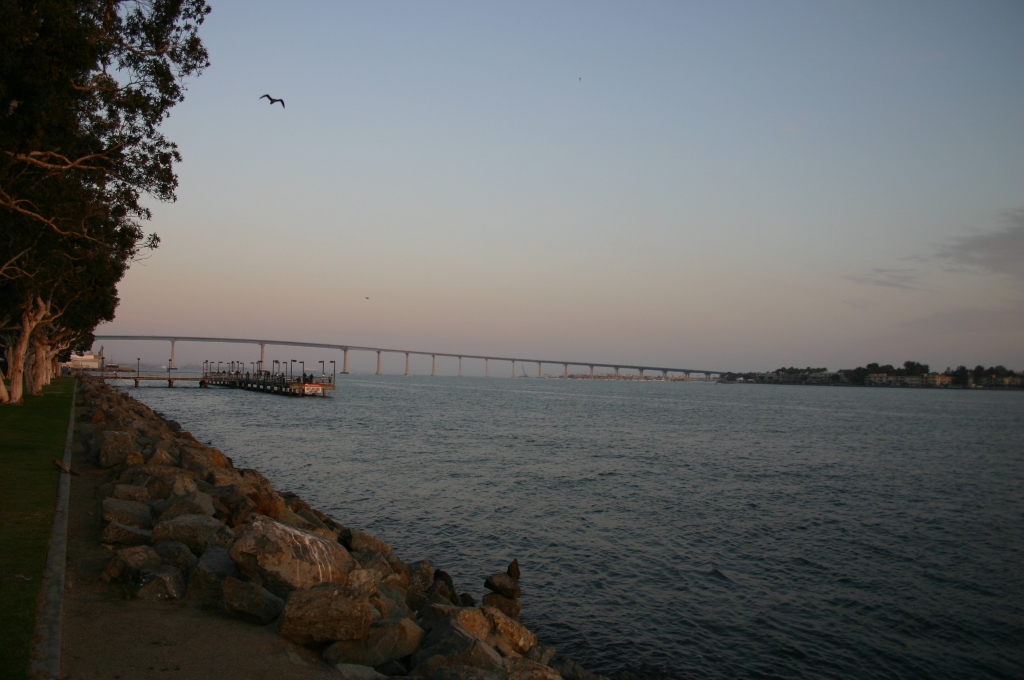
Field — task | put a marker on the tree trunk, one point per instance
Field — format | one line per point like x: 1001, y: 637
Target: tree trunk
x: 39, y: 357
x: 4, y: 396
x: 30, y: 318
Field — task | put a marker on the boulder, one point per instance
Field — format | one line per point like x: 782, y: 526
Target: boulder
x: 350, y: 671
x: 421, y: 576
x: 509, y: 608
x: 130, y: 492
x: 198, y: 532
x: 177, y: 555
x: 128, y: 563
x: 282, y: 559
x: 363, y: 582
x: 504, y: 585
x: 393, y: 601
x: 206, y: 582
x: 222, y: 476
x: 196, y: 503
x: 258, y: 489
x: 540, y: 654
x: 526, y: 669
x: 161, y: 457
x: 326, y: 613
x: 163, y: 583
x: 199, y: 459
x: 467, y: 600
x: 114, y: 448
x: 250, y: 602
x: 472, y: 619
x: 457, y: 647
x: 516, y: 633
x: 180, y: 484
x: 513, y: 570
x: 231, y: 507
x: 570, y: 670
x: 399, y: 568
x: 375, y: 561
x: 364, y: 542
x: 115, y: 532
x: 128, y: 513
x: 467, y: 673
x: 386, y: 641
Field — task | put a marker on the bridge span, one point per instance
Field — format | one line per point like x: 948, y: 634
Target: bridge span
x: 174, y: 339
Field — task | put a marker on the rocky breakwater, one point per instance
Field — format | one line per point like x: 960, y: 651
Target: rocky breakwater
x: 185, y: 523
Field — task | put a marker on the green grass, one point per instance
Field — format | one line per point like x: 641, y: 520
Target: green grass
x: 31, y: 436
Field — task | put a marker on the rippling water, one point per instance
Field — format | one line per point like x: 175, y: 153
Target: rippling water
x: 709, y: 530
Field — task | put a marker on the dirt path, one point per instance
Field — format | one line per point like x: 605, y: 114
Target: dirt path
x: 106, y: 635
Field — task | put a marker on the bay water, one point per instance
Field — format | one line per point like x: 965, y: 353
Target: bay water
x: 678, y: 529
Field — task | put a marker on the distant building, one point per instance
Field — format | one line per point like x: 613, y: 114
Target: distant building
x: 84, y: 362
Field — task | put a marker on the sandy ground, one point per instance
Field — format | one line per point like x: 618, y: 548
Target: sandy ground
x: 106, y: 635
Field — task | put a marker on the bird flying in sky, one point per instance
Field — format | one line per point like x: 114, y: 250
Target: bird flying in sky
x: 273, y: 101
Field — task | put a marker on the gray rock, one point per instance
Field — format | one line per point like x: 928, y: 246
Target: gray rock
x: 114, y: 448
x: 230, y: 506
x: 130, y: 492
x: 521, y: 638
x: 509, y: 608
x: 527, y: 669
x: 128, y: 563
x: 326, y: 613
x: 540, y: 654
x: 394, y: 601
x: 467, y: 673
x: 386, y: 641
x: 364, y: 542
x: 196, y: 503
x: 206, y: 582
x: 177, y: 554
x: 128, y: 513
x: 250, y: 602
x: 179, y: 483
x: 198, y: 532
x: 503, y: 584
x: 163, y: 583
x: 457, y: 647
x: 282, y: 559
x: 350, y: 671
x: 570, y: 670
x: 115, y: 532
x: 421, y: 576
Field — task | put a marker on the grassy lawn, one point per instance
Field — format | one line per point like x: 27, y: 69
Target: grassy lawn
x: 31, y: 436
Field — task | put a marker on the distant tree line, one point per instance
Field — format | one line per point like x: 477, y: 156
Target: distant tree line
x: 84, y: 87
x: 960, y: 376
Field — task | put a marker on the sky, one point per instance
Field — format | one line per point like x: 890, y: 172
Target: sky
x: 729, y: 185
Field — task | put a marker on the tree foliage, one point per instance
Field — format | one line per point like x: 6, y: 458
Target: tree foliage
x: 84, y: 88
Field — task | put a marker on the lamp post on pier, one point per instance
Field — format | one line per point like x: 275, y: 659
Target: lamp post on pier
x: 334, y: 372
x: 291, y: 368
x: 138, y: 366
x: 218, y: 366
x: 303, y: 364
x: 323, y: 369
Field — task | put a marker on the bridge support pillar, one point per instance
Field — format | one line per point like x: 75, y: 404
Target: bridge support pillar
x: 487, y: 368
x: 616, y: 372
x: 513, y: 368
x: 344, y: 363
x: 433, y: 364
x: 565, y: 372
x: 641, y: 374
x: 591, y: 371
x: 379, y: 372
x: 263, y: 354
x: 460, y: 367
x: 136, y: 382
x: 171, y: 365
x: 539, y: 374
x: 664, y: 375
x: 407, y: 363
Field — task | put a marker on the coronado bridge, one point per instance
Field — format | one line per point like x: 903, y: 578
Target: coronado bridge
x: 345, y: 349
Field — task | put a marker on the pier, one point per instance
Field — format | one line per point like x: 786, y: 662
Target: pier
x: 262, y: 381
x: 590, y: 366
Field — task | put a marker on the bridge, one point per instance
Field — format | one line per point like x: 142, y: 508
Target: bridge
x: 665, y: 370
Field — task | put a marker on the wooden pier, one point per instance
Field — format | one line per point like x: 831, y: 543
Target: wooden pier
x: 263, y: 381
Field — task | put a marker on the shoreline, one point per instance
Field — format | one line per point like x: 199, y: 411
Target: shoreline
x: 183, y: 525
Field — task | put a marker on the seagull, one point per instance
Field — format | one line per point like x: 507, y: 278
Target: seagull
x: 581, y: 80
x: 367, y: 298
x: 273, y: 101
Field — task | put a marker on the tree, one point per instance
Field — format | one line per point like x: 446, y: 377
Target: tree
x: 84, y: 87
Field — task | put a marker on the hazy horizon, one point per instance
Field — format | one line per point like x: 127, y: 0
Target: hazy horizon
x: 738, y: 186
